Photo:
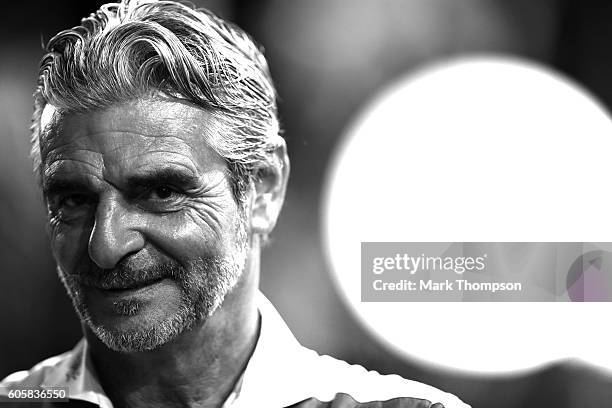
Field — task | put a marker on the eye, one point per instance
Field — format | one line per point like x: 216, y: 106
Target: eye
x: 161, y: 198
x: 74, y: 200
x: 162, y: 192
x: 71, y: 206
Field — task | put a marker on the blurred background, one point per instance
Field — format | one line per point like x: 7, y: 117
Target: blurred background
x: 327, y: 57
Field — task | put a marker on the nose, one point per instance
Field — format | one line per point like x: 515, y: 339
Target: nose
x: 114, y: 234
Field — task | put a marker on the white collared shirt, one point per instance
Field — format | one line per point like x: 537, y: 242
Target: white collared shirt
x: 280, y: 373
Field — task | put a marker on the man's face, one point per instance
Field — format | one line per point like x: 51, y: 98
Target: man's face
x: 144, y: 227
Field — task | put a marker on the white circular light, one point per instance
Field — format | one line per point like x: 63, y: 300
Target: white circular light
x: 486, y: 150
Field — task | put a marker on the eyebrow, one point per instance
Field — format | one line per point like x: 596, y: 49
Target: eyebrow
x: 150, y: 178
x: 167, y: 175
x: 57, y: 185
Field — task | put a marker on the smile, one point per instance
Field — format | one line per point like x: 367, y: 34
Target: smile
x: 123, y: 288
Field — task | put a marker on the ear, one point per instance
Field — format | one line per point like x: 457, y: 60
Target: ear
x: 270, y: 187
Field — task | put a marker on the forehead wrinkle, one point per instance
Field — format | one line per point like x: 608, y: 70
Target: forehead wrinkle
x: 56, y: 166
x: 178, y: 152
x: 55, y: 159
x: 191, y: 134
x: 190, y: 146
x: 57, y: 143
x: 143, y: 156
x: 181, y: 118
x: 128, y: 131
x: 50, y: 140
x: 160, y: 140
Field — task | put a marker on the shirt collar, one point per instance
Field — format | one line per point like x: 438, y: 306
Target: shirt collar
x: 78, y: 374
x: 273, y: 376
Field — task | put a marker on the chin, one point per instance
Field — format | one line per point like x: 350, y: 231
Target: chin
x: 143, y: 333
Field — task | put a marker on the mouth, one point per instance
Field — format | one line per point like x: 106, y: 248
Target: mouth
x: 124, y: 287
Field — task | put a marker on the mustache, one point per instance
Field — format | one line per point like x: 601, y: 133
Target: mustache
x: 127, y: 276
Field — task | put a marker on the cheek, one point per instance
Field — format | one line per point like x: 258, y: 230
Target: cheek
x: 69, y: 246
x: 188, y: 235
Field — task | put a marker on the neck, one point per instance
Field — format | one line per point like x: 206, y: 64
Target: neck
x: 198, y: 368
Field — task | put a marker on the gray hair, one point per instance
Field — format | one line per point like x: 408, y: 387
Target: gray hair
x: 127, y: 50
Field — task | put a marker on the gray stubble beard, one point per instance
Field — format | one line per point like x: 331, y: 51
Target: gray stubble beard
x: 204, y: 283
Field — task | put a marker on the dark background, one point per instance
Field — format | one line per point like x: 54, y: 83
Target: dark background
x: 327, y: 57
